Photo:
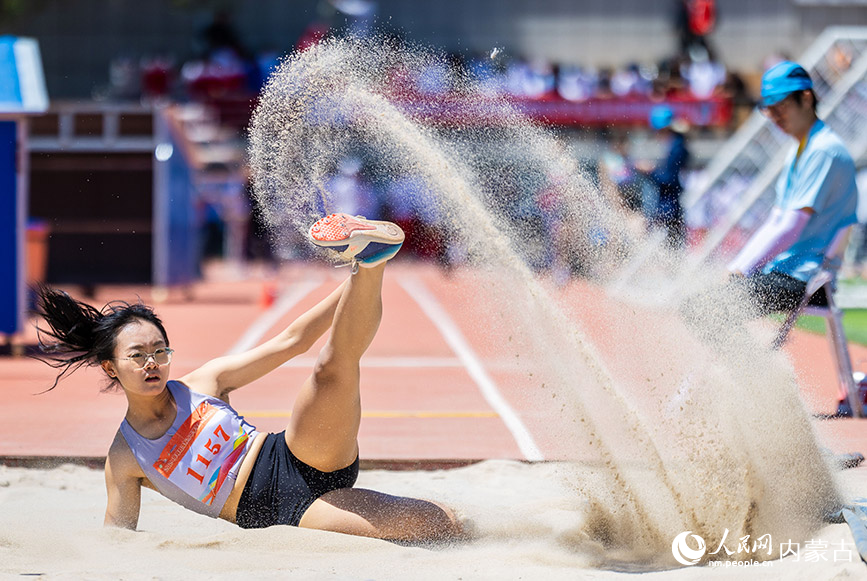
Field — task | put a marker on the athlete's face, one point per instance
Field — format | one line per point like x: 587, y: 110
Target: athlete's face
x: 141, y: 359
x: 792, y: 117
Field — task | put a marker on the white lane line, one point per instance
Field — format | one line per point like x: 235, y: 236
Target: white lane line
x: 269, y: 318
x: 403, y: 362
x: 453, y: 336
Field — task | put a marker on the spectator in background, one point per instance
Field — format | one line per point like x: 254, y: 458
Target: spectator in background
x: 575, y: 83
x: 629, y: 81
x: 220, y: 36
x: 617, y: 167
x: 703, y: 74
x: 624, y: 186
x: 225, y: 68
x: 816, y: 192
x: 666, y: 175
x: 694, y: 20
x: 530, y: 78
x: 816, y: 199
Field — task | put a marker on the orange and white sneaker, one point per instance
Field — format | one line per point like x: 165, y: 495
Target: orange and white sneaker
x: 357, y: 240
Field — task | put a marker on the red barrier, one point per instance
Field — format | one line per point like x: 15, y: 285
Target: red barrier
x: 455, y: 109
x: 712, y: 112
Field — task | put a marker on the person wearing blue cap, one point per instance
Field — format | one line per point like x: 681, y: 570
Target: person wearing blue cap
x: 816, y: 198
x: 666, y: 175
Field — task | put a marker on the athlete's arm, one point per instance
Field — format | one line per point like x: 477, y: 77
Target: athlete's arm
x: 778, y: 233
x: 123, y: 481
x: 220, y: 376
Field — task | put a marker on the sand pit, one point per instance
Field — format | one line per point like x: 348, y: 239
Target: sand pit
x: 675, y: 421
x: 528, y: 528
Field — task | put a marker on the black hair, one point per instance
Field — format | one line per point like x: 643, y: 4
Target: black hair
x: 798, y: 96
x: 83, y: 335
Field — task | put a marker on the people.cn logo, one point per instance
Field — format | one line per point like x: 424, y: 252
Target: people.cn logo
x: 683, y: 553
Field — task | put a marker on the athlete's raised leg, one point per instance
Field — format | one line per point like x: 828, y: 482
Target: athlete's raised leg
x: 323, y: 430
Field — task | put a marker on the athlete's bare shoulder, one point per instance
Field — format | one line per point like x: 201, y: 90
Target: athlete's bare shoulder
x: 121, y: 459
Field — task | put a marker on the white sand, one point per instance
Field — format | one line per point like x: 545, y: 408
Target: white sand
x: 686, y: 434
x: 527, y: 517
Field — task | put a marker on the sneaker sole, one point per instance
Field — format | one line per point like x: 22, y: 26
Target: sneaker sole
x: 350, y: 235
x: 384, y: 254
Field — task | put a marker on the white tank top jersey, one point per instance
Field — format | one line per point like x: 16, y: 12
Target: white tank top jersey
x: 196, y: 461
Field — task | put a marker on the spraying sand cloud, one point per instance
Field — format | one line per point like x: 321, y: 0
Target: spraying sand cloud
x: 687, y: 424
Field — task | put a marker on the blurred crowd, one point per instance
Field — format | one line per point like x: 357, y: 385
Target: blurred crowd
x: 225, y: 70
x: 228, y: 75
x: 700, y: 77
x: 225, y: 73
x: 641, y: 196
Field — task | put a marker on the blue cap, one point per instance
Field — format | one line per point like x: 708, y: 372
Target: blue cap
x: 783, y: 79
x: 661, y: 117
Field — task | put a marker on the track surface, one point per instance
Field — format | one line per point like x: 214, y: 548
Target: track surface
x: 432, y: 390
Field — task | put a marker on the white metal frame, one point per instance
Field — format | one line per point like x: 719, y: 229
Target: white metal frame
x: 826, y: 278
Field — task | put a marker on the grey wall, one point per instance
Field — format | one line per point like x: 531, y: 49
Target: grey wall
x: 79, y: 37
x: 611, y: 32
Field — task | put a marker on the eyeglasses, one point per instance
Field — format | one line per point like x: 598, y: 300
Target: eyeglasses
x: 162, y: 356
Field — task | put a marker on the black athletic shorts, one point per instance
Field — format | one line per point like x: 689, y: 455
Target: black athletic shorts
x: 281, y: 487
x: 775, y: 292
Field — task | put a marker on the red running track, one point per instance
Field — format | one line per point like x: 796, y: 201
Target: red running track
x: 433, y: 389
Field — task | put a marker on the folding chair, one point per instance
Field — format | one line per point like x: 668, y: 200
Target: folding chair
x: 826, y: 279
